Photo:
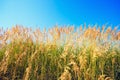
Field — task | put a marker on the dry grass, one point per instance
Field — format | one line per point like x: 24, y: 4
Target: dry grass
x: 60, y: 53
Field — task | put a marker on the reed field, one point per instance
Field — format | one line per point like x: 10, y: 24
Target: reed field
x: 60, y: 53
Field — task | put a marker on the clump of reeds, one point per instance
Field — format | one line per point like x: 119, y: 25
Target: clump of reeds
x: 60, y: 53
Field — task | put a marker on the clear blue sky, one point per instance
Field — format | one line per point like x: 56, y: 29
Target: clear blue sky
x: 46, y: 13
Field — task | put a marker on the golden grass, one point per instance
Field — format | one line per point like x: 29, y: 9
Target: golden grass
x: 60, y: 53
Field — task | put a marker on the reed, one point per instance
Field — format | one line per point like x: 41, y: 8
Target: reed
x: 60, y: 53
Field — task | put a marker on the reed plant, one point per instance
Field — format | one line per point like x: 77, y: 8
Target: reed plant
x: 60, y: 53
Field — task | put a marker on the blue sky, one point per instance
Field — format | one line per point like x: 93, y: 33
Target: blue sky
x: 46, y: 13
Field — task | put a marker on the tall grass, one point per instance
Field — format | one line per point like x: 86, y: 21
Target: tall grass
x: 60, y: 53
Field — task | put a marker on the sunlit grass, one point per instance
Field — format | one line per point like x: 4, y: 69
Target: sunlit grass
x: 60, y: 53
